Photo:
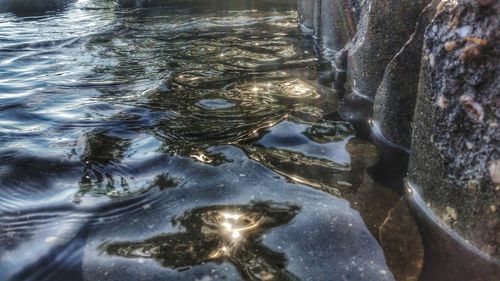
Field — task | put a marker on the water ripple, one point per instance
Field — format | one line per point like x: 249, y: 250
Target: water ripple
x: 127, y: 133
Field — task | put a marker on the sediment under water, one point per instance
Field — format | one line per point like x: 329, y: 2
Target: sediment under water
x: 194, y: 140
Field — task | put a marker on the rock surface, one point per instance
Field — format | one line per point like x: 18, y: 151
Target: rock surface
x: 339, y: 20
x: 383, y: 28
x: 306, y: 13
x: 430, y: 79
x: 456, y: 132
x: 396, y: 96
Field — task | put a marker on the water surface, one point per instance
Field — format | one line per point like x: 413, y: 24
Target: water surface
x: 189, y: 140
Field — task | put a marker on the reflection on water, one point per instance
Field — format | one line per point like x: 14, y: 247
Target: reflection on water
x: 114, y: 121
x: 102, y: 150
x: 218, y: 233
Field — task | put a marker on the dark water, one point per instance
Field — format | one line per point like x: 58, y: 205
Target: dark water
x: 190, y: 140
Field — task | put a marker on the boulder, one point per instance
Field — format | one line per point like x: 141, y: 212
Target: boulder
x: 394, y: 103
x: 454, y: 161
x: 306, y: 13
x: 338, y: 21
x: 383, y: 28
x: 317, y: 18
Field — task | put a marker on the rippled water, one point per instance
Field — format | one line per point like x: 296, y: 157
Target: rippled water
x: 190, y: 140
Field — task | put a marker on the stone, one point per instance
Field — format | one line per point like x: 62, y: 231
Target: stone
x: 394, y: 103
x: 306, y: 13
x: 338, y: 21
x: 383, y: 28
x: 455, y: 147
x: 317, y: 18
x: 448, y: 257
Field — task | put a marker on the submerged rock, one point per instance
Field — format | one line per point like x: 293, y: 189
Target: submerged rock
x: 456, y: 136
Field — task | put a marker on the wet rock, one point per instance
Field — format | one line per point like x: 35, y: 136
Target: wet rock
x: 32, y: 7
x: 447, y: 256
x: 338, y: 21
x: 306, y: 13
x: 455, y: 144
x: 394, y: 103
x: 138, y: 3
x: 383, y: 28
x: 333, y: 24
x: 317, y: 18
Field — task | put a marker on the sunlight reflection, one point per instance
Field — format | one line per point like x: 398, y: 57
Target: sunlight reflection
x: 201, y: 157
x: 297, y: 88
x: 234, y: 224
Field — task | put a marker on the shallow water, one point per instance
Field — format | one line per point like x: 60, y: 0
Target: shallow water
x: 193, y: 140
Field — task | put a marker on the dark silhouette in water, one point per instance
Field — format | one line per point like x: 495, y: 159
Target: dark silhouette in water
x: 33, y: 7
x: 219, y: 234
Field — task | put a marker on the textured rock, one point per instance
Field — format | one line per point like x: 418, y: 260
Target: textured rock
x: 383, y: 28
x: 338, y: 22
x: 430, y: 80
x: 306, y: 13
x: 448, y: 257
x: 456, y: 135
x: 317, y: 18
x: 396, y: 96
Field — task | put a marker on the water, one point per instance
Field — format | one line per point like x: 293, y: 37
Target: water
x: 190, y: 140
